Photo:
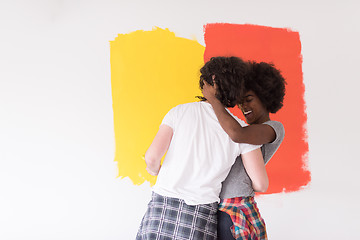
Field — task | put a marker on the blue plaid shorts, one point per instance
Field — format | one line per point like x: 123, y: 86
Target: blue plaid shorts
x: 171, y: 218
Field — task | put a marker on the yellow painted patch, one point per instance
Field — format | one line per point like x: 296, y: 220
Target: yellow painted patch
x: 151, y: 72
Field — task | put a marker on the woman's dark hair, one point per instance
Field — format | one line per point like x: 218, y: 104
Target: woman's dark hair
x: 229, y: 77
x: 268, y: 84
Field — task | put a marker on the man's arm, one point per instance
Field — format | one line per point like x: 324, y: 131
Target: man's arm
x: 255, y: 168
x: 157, y: 149
x: 253, y: 134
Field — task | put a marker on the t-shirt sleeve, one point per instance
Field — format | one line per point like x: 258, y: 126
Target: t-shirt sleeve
x: 245, y: 148
x: 170, y: 118
x: 271, y: 148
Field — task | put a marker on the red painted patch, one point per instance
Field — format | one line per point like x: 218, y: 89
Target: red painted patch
x: 287, y: 169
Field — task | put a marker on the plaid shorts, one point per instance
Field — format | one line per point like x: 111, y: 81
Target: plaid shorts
x: 247, y: 221
x: 171, y: 218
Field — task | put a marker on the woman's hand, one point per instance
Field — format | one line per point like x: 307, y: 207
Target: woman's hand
x: 209, y: 91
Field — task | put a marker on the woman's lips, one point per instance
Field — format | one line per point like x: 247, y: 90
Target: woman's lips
x: 248, y: 114
x: 245, y: 113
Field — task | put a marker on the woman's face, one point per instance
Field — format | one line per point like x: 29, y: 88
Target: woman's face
x: 253, y: 109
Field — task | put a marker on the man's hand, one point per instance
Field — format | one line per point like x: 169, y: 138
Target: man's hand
x: 154, y: 173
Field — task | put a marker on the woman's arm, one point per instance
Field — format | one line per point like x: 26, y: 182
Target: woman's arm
x: 157, y: 149
x: 255, y: 168
x: 253, y: 134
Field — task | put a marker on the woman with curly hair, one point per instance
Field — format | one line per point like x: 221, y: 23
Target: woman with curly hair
x: 199, y: 157
x: 263, y: 93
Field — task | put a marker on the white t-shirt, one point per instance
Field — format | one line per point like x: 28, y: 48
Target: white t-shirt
x: 199, y: 157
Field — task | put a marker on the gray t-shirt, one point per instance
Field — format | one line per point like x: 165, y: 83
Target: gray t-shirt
x: 238, y: 182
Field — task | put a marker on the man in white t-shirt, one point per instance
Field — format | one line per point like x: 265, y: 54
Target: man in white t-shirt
x: 199, y: 157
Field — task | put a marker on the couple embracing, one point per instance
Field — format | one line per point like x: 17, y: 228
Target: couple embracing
x: 214, y: 161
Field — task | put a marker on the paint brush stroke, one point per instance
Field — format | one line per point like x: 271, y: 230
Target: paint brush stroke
x: 287, y: 170
x: 151, y: 72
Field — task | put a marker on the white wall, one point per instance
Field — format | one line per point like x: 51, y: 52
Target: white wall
x: 57, y: 175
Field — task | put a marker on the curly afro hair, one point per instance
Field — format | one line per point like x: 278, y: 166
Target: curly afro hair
x: 229, y: 77
x: 268, y: 84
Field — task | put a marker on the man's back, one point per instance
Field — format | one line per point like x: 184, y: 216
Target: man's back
x: 199, y: 157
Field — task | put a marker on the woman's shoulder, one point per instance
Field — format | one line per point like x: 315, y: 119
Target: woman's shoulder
x: 278, y: 128
x: 276, y: 125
